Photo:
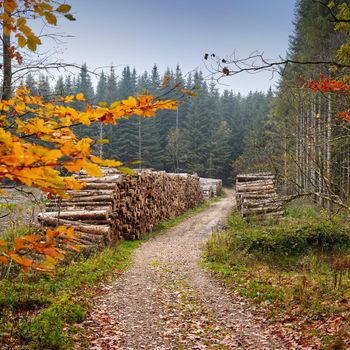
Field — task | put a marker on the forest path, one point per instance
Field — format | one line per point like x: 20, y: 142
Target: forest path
x: 167, y: 301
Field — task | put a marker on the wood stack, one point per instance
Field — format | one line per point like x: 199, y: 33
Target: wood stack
x: 88, y: 211
x: 143, y: 201
x: 210, y: 187
x: 115, y: 205
x: 257, y: 197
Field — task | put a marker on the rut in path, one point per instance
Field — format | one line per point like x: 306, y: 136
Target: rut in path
x: 167, y: 301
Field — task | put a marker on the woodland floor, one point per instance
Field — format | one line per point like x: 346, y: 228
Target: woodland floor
x: 167, y: 301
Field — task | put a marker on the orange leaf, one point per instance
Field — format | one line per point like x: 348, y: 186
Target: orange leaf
x: 4, y: 259
x: 18, y: 243
x: 32, y: 238
x: 20, y: 261
x: 80, y: 97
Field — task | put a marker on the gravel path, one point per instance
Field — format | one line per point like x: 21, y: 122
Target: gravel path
x: 167, y: 301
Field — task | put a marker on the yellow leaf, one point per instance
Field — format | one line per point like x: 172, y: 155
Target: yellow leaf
x: 31, y: 44
x: 22, y: 41
x: 127, y: 171
x: 85, y: 118
x: 80, y: 97
x: 10, y: 5
x: 25, y: 30
x: 102, y: 142
x: 114, y: 104
x: 130, y: 102
x: 69, y: 99
x: 35, y: 39
x: 21, y: 21
x: 64, y: 8
x: 51, y: 18
x: 92, y: 169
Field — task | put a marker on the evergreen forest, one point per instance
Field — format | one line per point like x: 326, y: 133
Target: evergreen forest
x: 206, y: 135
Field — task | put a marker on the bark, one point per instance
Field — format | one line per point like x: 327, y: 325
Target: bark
x: 7, y: 68
x: 92, y: 229
x: 79, y: 214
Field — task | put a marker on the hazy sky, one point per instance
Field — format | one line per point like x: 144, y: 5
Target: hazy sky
x: 169, y: 32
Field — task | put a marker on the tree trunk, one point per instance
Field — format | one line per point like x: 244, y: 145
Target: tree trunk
x: 7, y: 68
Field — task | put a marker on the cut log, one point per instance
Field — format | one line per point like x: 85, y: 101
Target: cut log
x: 79, y: 214
x: 256, y: 195
x: 104, y: 179
x: 93, y: 229
x: 98, y: 185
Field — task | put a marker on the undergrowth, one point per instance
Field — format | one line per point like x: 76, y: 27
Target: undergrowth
x: 298, y: 269
x: 36, y: 309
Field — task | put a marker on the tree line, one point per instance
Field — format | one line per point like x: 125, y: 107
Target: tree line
x: 206, y: 135
x: 302, y: 139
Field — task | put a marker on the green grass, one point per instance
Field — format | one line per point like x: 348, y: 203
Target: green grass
x: 298, y: 270
x: 39, y: 311
x: 47, y: 304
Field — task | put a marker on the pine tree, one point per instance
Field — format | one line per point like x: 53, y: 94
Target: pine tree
x: 150, y: 152
x: 44, y: 88
x: 60, y: 87
x: 126, y: 135
x: 31, y: 84
x: 112, y: 88
x: 84, y: 84
x: 101, y: 89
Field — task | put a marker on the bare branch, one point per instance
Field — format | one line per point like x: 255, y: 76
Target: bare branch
x: 255, y: 63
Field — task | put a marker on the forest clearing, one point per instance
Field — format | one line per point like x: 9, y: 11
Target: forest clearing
x: 160, y: 192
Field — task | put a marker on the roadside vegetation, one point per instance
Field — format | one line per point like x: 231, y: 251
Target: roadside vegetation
x: 297, y: 269
x: 46, y: 311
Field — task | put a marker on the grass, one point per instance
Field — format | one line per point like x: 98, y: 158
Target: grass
x: 298, y: 270
x: 40, y: 311
x: 36, y: 308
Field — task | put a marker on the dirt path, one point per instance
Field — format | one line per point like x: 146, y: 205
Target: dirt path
x: 166, y: 301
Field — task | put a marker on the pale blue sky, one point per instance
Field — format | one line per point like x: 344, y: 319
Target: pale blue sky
x: 143, y: 32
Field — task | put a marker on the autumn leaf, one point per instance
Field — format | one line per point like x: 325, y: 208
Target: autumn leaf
x: 102, y: 142
x: 64, y: 8
x: 24, y: 262
x: 80, y: 97
x: 22, y: 41
x: 51, y: 18
x: 10, y: 5
x: 4, y: 260
x: 18, y: 243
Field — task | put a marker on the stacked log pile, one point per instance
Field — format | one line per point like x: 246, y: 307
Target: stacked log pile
x: 115, y: 205
x: 144, y: 200
x: 256, y: 196
x: 210, y: 187
x: 88, y: 211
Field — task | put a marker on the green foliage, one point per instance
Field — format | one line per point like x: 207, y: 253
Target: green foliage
x: 63, y: 299
x: 279, y: 242
x: 295, y: 269
x: 46, y: 330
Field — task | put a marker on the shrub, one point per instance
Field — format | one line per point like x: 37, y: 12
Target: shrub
x: 277, y: 241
